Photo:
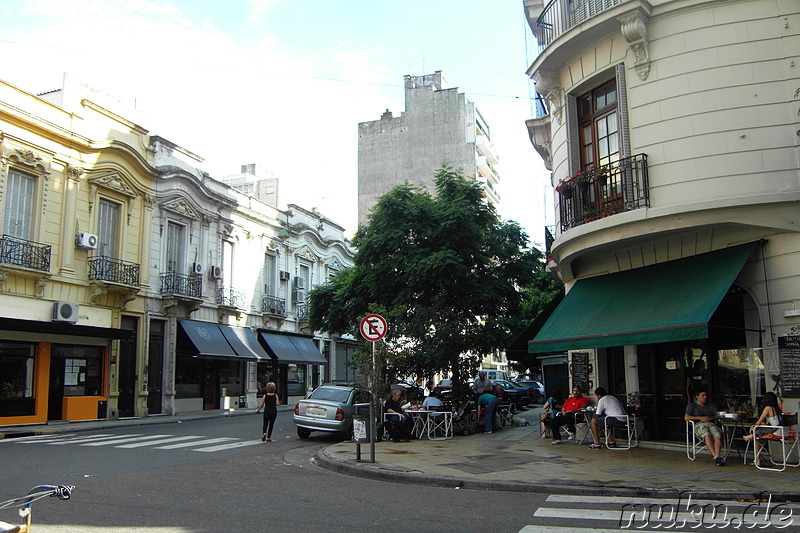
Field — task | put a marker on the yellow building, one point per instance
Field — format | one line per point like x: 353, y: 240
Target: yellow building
x: 76, y: 193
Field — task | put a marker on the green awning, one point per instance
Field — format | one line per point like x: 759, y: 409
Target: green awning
x: 666, y: 302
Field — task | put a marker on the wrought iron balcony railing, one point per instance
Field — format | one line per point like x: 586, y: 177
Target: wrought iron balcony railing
x: 23, y: 253
x: 182, y: 285
x: 230, y: 297
x: 560, y: 15
x: 301, y: 310
x: 114, y: 270
x: 273, y: 305
x: 604, y: 191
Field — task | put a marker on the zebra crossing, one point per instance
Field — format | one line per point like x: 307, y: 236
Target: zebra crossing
x: 583, y: 514
x: 193, y: 443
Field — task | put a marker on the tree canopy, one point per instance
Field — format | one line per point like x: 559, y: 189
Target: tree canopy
x: 453, y: 281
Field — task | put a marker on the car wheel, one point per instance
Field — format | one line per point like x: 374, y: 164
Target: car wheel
x: 303, y: 433
x: 541, y: 399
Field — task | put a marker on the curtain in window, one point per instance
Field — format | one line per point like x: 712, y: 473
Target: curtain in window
x: 175, y: 247
x: 18, y: 216
x: 269, y: 275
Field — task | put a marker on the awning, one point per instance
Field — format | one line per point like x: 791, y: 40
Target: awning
x: 244, y: 342
x: 292, y: 349
x: 207, y: 339
x: 63, y: 328
x: 666, y: 302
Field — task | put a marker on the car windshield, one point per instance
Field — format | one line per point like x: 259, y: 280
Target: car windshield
x: 446, y: 382
x: 330, y: 394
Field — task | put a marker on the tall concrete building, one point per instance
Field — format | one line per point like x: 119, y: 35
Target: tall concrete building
x: 256, y: 181
x: 439, y: 126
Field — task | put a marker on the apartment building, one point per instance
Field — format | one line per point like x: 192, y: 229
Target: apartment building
x: 670, y: 131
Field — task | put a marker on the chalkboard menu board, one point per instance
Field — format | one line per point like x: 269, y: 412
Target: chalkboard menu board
x: 789, y: 350
x: 580, y: 370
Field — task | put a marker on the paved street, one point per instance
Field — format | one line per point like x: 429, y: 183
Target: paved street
x: 172, y: 478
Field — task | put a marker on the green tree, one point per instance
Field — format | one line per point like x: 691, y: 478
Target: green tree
x: 443, y: 270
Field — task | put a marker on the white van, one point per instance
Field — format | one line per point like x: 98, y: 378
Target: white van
x: 493, y: 375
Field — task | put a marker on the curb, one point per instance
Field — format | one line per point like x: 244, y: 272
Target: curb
x: 568, y: 487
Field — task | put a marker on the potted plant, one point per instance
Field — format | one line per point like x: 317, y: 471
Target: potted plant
x: 633, y: 403
x: 8, y: 390
x: 564, y: 189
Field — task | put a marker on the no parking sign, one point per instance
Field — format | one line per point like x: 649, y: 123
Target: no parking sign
x: 373, y: 327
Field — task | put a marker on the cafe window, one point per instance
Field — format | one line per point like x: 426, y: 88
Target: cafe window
x: 230, y: 376
x: 16, y: 370
x: 188, y: 371
x: 296, y: 380
x: 82, y: 369
x: 741, y: 378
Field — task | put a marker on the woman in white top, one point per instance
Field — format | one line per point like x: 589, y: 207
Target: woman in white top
x: 770, y: 416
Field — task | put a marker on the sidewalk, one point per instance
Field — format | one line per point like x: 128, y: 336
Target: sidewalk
x: 516, y: 459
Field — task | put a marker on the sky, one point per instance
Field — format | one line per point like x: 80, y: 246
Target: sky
x: 284, y: 83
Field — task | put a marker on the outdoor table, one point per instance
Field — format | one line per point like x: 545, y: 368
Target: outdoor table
x: 424, y: 423
x: 734, y: 429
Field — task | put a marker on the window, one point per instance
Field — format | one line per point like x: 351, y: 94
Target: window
x: 598, y: 126
x: 269, y: 275
x: 107, y: 228
x: 18, y: 215
x: 175, y: 248
x: 16, y: 370
x: 82, y: 369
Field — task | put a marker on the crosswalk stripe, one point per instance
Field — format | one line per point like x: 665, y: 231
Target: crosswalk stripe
x: 156, y: 442
x: 572, y: 529
x: 46, y: 439
x: 228, y: 446
x: 189, y: 444
x: 114, y: 442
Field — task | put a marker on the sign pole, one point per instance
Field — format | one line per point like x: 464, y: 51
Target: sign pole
x: 372, y: 424
x: 373, y: 328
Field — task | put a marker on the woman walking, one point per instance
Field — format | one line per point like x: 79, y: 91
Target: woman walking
x: 269, y: 403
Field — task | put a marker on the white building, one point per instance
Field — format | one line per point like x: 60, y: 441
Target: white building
x: 670, y: 131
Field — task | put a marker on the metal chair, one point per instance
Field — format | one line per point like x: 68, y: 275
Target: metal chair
x: 505, y: 415
x: 695, y: 444
x: 583, y: 418
x: 440, y: 425
x: 627, y: 429
x: 773, y: 435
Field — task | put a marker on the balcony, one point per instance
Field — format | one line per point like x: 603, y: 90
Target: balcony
x: 272, y: 305
x: 25, y: 254
x: 230, y: 297
x: 301, y: 311
x: 112, y: 270
x: 604, y: 191
x: 559, y: 16
x: 181, y: 286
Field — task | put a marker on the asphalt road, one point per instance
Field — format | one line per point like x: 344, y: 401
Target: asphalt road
x: 217, y: 476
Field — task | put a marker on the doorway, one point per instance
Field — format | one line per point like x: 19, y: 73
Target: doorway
x: 127, y: 368
x: 154, y: 373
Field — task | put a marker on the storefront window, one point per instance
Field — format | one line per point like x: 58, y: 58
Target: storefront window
x: 187, y: 377
x: 741, y: 379
x: 16, y: 370
x: 296, y: 381
x: 265, y: 373
x: 82, y: 369
x: 230, y: 376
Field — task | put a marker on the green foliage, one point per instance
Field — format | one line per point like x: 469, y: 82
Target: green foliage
x: 450, y: 278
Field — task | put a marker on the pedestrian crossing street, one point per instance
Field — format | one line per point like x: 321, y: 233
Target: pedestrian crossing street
x: 193, y: 443
x: 599, y: 514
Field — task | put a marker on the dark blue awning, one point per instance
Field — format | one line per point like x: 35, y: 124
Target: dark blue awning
x: 244, y: 342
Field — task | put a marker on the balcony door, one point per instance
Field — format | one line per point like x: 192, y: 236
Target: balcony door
x: 18, y: 212
x: 107, y: 229
x: 176, y: 244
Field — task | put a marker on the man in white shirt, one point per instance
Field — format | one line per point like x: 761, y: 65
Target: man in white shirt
x: 606, y: 406
x: 432, y: 402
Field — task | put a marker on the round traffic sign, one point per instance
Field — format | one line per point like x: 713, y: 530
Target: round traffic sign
x: 373, y: 327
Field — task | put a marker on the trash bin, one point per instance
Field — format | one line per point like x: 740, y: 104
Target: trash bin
x: 361, y: 416
x: 102, y: 409
x: 242, y: 402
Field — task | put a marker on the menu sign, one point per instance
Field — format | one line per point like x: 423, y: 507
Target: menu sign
x: 580, y: 370
x: 789, y: 350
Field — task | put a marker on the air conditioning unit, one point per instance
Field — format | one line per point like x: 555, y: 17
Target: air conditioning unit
x: 197, y: 268
x: 299, y: 283
x: 285, y: 276
x: 215, y: 272
x: 86, y: 241
x: 65, y: 312
x: 299, y: 295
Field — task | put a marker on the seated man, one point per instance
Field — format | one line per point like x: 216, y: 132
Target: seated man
x: 393, y: 407
x: 432, y: 402
x: 566, y: 417
x: 490, y: 401
x: 704, y: 414
x: 606, y: 406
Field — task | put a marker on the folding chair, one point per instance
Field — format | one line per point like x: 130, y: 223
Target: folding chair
x: 695, y: 444
x: 775, y: 434
x: 505, y: 415
x: 440, y: 425
x: 627, y: 430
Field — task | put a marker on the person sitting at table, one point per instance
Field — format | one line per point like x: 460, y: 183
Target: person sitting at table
x: 571, y: 408
x: 770, y: 416
x: 704, y: 414
x: 432, y: 402
x: 489, y: 400
x: 393, y: 406
x: 606, y: 406
x: 550, y: 407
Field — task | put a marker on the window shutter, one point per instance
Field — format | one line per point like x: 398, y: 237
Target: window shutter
x: 573, y: 135
x: 107, y: 220
x: 18, y: 216
x: 622, y: 112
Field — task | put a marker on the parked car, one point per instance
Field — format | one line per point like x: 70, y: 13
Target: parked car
x: 511, y: 394
x: 329, y: 408
x: 524, y: 395
x: 412, y: 390
x: 493, y: 375
x: 444, y: 385
x: 539, y: 395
